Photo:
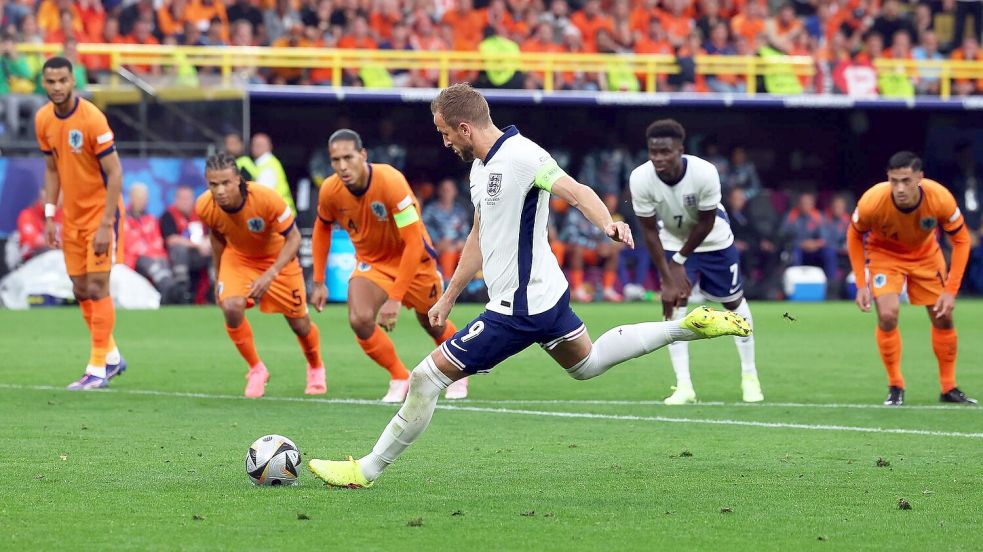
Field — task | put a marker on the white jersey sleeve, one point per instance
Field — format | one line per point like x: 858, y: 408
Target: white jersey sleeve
x: 709, y: 182
x: 642, y: 200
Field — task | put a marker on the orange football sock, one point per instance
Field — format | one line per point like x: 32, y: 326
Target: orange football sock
x: 102, y: 321
x: 576, y: 278
x: 944, y: 344
x: 86, y: 306
x: 610, y: 277
x: 449, y: 330
x: 380, y: 349
x: 311, y: 345
x: 889, y: 344
x: 242, y: 337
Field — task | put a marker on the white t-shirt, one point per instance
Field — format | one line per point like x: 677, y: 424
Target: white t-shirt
x: 509, y: 193
x: 678, y: 205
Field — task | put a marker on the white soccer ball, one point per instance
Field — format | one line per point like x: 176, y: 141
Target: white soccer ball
x: 272, y: 460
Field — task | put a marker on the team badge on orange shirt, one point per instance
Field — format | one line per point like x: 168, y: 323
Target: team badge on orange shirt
x: 879, y: 280
x: 256, y: 224
x: 927, y: 223
x: 75, y: 140
x: 379, y: 210
x: 494, y: 184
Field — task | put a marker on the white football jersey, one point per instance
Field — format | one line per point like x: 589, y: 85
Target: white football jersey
x: 678, y: 205
x: 521, y: 273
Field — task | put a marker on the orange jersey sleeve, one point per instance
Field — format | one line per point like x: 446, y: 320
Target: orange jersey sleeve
x: 257, y: 229
x: 77, y: 142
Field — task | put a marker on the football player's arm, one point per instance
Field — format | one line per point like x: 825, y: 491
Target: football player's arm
x: 113, y: 171
x: 855, y: 250
x: 960, y: 240
x: 704, y: 224
x: 288, y: 251
x: 320, y: 246
x: 587, y: 202
x: 52, y: 187
x: 218, y: 247
x: 467, y: 267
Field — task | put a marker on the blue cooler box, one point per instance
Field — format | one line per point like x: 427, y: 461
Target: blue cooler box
x: 804, y: 283
x: 341, y: 263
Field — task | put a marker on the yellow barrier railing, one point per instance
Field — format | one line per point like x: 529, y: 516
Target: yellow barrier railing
x: 447, y: 63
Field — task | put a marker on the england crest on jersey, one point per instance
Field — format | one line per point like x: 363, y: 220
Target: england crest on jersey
x: 689, y: 200
x: 75, y: 140
x: 256, y: 225
x: 494, y: 184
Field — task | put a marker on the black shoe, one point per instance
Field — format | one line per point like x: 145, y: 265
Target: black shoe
x: 954, y: 395
x: 895, y: 396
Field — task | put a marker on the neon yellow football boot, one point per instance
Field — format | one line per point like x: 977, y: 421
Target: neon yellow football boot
x: 706, y: 323
x: 345, y: 473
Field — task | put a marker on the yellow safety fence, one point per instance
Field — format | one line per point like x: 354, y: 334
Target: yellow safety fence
x: 232, y: 59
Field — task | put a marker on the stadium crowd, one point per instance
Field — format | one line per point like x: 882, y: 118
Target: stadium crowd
x: 844, y: 37
x: 773, y: 228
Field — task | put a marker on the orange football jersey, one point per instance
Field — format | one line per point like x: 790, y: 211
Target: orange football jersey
x: 77, y: 142
x: 369, y: 218
x: 258, y: 229
x: 908, y: 234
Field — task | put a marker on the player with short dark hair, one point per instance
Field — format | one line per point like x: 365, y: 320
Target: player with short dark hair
x: 396, y: 261
x: 900, y: 219
x: 677, y: 200
x: 82, y: 165
x: 254, y: 248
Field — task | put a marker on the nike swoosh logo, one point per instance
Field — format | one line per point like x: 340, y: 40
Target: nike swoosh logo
x: 454, y: 343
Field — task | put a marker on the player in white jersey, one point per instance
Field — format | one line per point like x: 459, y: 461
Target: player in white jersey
x: 511, y: 179
x: 694, y: 243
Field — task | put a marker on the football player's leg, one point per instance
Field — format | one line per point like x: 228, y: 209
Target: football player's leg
x: 309, y: 337
x: 683, y: 392
x: 888, y: 337
x: 925, y: 284
x: 365, y: 298
x: 721, y: 280
x: 425, y: 290
x: 571, y: 346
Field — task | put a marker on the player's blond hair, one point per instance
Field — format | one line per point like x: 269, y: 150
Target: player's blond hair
x: 459, y: 103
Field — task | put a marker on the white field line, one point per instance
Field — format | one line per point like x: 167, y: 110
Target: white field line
x: 540, y: 413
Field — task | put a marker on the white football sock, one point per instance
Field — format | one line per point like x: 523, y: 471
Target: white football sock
x: 626, y: 342
x: 679, y: 354
x: 99, y: 371
x: 426, y: 382
x: 745, y: 345
x: 113, y: 357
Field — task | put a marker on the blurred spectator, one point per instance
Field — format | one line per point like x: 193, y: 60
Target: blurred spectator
x: 589, y: 20
x: 448, y: 222
x: 783, y: 29
x: 245, y: 10
x: 277, y: 20
x: 719, y: 45
x: 587, y: 245
x: 144, y: 249
x: 973, y: 8
x: 558, y: 18
x: 741, y: 173
x: 711, y: 152
x: 426, y: 38
x: 540, y: 42
x: 891, y: 20
x: 16, y: 91
x: 269, y: 170
x: 187, y: 243
x: 388, y: 150
x: 293, y: 38
x: 710, y: 17
x: 172, y: 16
x: 928, y: 49
x: 142, y: 35
x: 760, y: 254
x: 807, y: 230
x: 634, y: 265
x: 969, y: 51
x: 501, y: 73
x: 208, y: 15
x: 838, y: 221
x: 232, y: 143
x: 141, y: 10
x: 467, y: 24
x: 750, y: 23
x: 383, y: 18
x: 30, y: 229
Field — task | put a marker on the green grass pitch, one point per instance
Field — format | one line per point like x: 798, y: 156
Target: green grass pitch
x: 532, y: 461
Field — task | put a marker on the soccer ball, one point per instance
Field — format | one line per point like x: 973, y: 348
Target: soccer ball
x: 272, y: 460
